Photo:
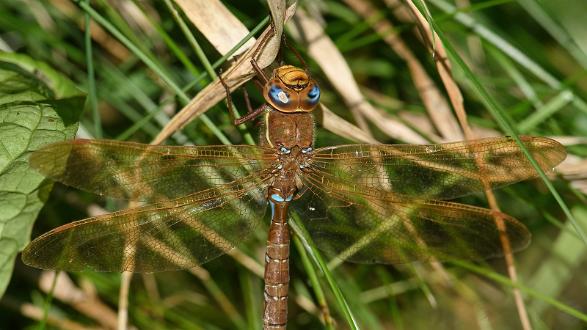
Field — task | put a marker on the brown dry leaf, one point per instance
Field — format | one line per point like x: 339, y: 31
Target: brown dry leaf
x: 444, y: 70
x: 434, y: 102
x: 574, y: 169
x: 324, y: 52
x: 570, y: 140
x: 239, y: 72
x: 206, y: 15
x: 341, y: 127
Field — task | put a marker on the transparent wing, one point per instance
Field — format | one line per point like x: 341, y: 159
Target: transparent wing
x: 174, y: 234
x: 385, y: 229
x: 145, y: 172
x: 438, y: 171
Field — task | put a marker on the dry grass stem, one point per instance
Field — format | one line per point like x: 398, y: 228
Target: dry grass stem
x: 82, y: 300
x: 323, y: 50
x: 456, y: 98
x: 99, y: 35
x: 434, y: 102
x: 337, y: 70
x: 341, y: 127
x: 122, y: 323
x: 35, y: 313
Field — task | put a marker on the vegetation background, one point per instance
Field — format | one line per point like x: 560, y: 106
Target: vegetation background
x: 522, y: 62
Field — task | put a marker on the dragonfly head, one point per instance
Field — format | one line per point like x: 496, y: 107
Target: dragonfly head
x: 291, y: 89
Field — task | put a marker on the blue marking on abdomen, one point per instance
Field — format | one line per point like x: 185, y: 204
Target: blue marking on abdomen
x: 277, y: 198
x: 272, y: 209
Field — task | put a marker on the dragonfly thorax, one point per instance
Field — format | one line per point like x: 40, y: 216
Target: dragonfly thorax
x: 289, y: 166
x: 287, y: 129
x: 291, y: 90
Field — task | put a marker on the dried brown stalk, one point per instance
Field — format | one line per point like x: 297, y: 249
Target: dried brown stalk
x: 435, y: 103
x: 444, y: 69
x: 335, y: 67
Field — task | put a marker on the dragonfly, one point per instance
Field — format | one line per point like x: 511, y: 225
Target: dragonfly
x: 369, y: 203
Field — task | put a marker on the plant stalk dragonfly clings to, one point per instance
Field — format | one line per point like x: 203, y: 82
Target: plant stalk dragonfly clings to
x: 362, y: 203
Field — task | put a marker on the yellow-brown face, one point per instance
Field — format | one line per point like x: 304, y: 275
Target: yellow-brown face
x: 292, y: 90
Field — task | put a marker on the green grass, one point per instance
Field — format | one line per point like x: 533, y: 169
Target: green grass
x: 521, y: 66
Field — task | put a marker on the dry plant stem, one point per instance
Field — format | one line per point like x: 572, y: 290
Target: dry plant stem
x: 324, y: 52
x: 220, y: 298
x: 435, y: 103
x: 84, y: 302
x: 123, y: 300
x: 338, y: 72
x: 422, y: 121
x: 34, y: 312
x: 474, y: 43
x: 151, y: 287
x: 456, y: 98
x: 341, y: 127
x: 101, y: 37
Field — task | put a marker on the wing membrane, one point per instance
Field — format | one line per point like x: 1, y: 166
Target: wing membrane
x: 145, y: 172
x: 439, y: 171
x: 384, y: 229
x: 168, y: 235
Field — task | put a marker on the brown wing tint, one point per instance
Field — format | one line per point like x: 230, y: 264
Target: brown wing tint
x: 174, y: 234
x: 144, y: 172
x: 373, y: 203
x: 438, y: 171
x: 384, y: 229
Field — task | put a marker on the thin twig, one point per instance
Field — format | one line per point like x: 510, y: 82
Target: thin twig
x: 123, y: 300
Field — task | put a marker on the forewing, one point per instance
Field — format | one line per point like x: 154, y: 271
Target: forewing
x: 384, y: 229
x: 438, y: 171
x: 168, y: 235
x: 145, y: 172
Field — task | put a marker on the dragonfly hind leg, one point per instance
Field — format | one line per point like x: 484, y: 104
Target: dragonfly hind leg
x: 251, y: 113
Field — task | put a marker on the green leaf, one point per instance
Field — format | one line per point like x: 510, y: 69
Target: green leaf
x: 38, y: 106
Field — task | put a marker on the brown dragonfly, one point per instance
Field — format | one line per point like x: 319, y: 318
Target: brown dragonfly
x: 363, y: 202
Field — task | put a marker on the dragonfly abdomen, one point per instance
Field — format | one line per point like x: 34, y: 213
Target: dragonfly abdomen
x: 277, y: 268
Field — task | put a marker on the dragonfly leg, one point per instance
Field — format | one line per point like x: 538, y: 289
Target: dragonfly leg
x: 262, y: 76
x: 251, y: 115
x: 231, y: 111
x: 247, y: 101
x: 293, y: 50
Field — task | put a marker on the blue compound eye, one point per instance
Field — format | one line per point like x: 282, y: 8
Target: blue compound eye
x: 278, y: 95
x: 314, y: 95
